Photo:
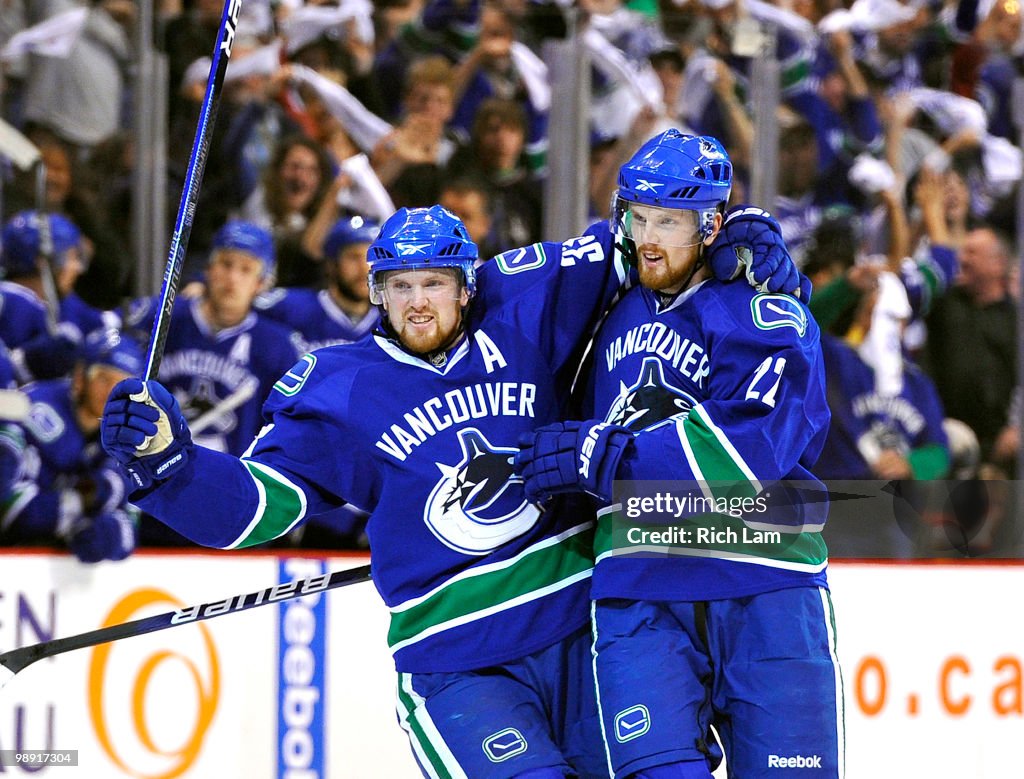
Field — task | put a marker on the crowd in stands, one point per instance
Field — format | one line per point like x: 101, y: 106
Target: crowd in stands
x: 897, y: 193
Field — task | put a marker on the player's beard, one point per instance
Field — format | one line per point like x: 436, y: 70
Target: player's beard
x: 673, y: 268
x: 349, y: 293
x: 426, y: 340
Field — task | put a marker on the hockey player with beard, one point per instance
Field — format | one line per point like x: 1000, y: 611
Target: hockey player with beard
x: 417, y: 424
x: 340, y: 313
x: 718, y: 390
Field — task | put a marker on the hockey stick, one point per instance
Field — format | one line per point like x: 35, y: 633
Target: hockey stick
x: 229, y: 404
x: 45, y: 259
x: 18, y: 659
x: 24, y: 155
x: 190, y: 192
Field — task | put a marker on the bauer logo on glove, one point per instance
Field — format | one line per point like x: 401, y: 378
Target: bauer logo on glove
x: 144, y: 430
x: 572, y: 457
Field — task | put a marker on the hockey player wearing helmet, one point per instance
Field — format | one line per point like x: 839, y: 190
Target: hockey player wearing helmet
x: 341, y: 312
x: 56, y: 484
x: 416, y: 424
x: 41, y: 348
x: 241, y: 264
x: 715, y: 391
x: 222, y: 356
x: 422, y: 274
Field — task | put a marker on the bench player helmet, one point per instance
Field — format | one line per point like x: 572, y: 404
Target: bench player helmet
x: 246, y: 237
x: 20, y: 242
x: 347, y: 231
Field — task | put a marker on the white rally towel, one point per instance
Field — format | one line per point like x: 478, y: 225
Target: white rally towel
x: 304, y: 25
x: 882, y: 347
x: 641, y: 81
x: 363, y: 126
x: 534, y: 72
x: 1002, y: 161
x: 264, y: 61
x: 866, y: 16
x: 871, y: 175
x: 51, y: 38
x: 367, y: 195
x: 951, y: 113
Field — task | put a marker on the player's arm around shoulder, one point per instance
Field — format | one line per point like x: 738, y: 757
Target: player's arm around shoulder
x: 586, y: 266
x: 554, y: 293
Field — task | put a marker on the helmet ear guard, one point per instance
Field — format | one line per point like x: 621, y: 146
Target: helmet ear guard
x: 421, y: 239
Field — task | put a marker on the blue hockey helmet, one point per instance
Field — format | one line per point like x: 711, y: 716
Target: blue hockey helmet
x: 347, y: 231
x: 674, y: 172
x: 20, y: 242
x: 421, y: 239
x: 246, y: 237
x: 115, y: 350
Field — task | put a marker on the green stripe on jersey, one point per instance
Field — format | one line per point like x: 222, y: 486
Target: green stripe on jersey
x: 713, y: 459
x: 282, y: 505
x: 547, y: 566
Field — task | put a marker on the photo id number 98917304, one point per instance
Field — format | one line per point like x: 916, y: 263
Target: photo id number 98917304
x: 38, y: 757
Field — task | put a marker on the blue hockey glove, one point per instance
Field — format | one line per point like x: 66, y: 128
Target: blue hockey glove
x: 143, y: 429
x: 110, y: 536
x: 751, y: 243
x: 571, y: 457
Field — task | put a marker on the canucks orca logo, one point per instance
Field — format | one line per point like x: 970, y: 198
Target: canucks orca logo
x: 651, y: 401
x: 478, y: 504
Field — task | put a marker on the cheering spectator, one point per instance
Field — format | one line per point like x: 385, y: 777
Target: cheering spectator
x: 496, y: 154
x: 972, y: 345
x: 294, y: 185
x: 410, y: 160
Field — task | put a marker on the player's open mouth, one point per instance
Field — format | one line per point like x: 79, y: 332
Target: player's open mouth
x: 420, y: 320
x: 652, y: 258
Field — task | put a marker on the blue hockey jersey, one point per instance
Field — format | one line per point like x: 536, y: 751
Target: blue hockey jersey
x: 24, y: 318
x: 56, y: 464
x: 725, y: 386
x: 22, y: 315
x: 472, y: 573
x: 203, y: 368
x: 864, y: 422
x: 315, y: 316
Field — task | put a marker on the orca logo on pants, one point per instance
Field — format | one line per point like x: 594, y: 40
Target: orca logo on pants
x: 479, y: 503
x: 632, y: 723
x: 504, y: 744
